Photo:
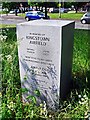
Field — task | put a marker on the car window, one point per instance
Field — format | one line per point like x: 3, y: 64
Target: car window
x: 40, y: 13
x: 88, y: 15
x: 35, y: 14
x: 30, y: 13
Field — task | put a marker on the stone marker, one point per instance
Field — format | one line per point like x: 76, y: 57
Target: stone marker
x: 45, y: 50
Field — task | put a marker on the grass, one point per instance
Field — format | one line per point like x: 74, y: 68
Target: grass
x: 76, y: 106
x: 2, y: 12
x: 74, y: 16
x: 21, y: 14
x: 81, y: 51
x: 7, y: 26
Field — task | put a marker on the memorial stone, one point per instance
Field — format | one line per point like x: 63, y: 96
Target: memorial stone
x: 45, y: 49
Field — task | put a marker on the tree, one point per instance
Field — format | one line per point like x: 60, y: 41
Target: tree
x: 10, y: 5
x: 88, y: 6
x: 76, y: 5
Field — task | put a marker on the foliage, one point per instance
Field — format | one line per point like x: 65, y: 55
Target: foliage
x: 77, y: 5
x: 75, y: 106
x: 10, y: 5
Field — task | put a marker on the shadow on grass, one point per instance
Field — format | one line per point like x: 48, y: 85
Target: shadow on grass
x: 81, y: 81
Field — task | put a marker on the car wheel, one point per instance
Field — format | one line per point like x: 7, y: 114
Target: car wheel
x: 83, y: 21
x: 27, y: 18
x: 41, y: 18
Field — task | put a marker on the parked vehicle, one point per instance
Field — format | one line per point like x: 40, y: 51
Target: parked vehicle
x: 13, y: 11
x: 34, y: 15
x: 55, y: 10
x: 62, y: 10
x: 86, y: 18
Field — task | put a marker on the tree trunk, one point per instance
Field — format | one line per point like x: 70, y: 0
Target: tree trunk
x: 76, y: 9
x: 45, y: 10
x: 36, y: 8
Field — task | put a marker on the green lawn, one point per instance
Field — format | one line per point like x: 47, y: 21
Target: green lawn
x: 76, y: 106
x: 2, y: 12
x: 75, y: 16
x: 7, y: 26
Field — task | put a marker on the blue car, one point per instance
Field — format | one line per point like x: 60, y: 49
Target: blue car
x: 34, y: 15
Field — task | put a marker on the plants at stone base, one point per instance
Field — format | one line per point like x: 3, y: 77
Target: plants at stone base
x: 12, y: 105
x: 77, y: 104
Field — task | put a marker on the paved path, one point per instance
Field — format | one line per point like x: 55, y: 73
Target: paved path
x: 12, y: 19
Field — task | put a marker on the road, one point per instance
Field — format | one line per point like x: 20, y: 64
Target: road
x: 12, y: 19
x: 79, y: 25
